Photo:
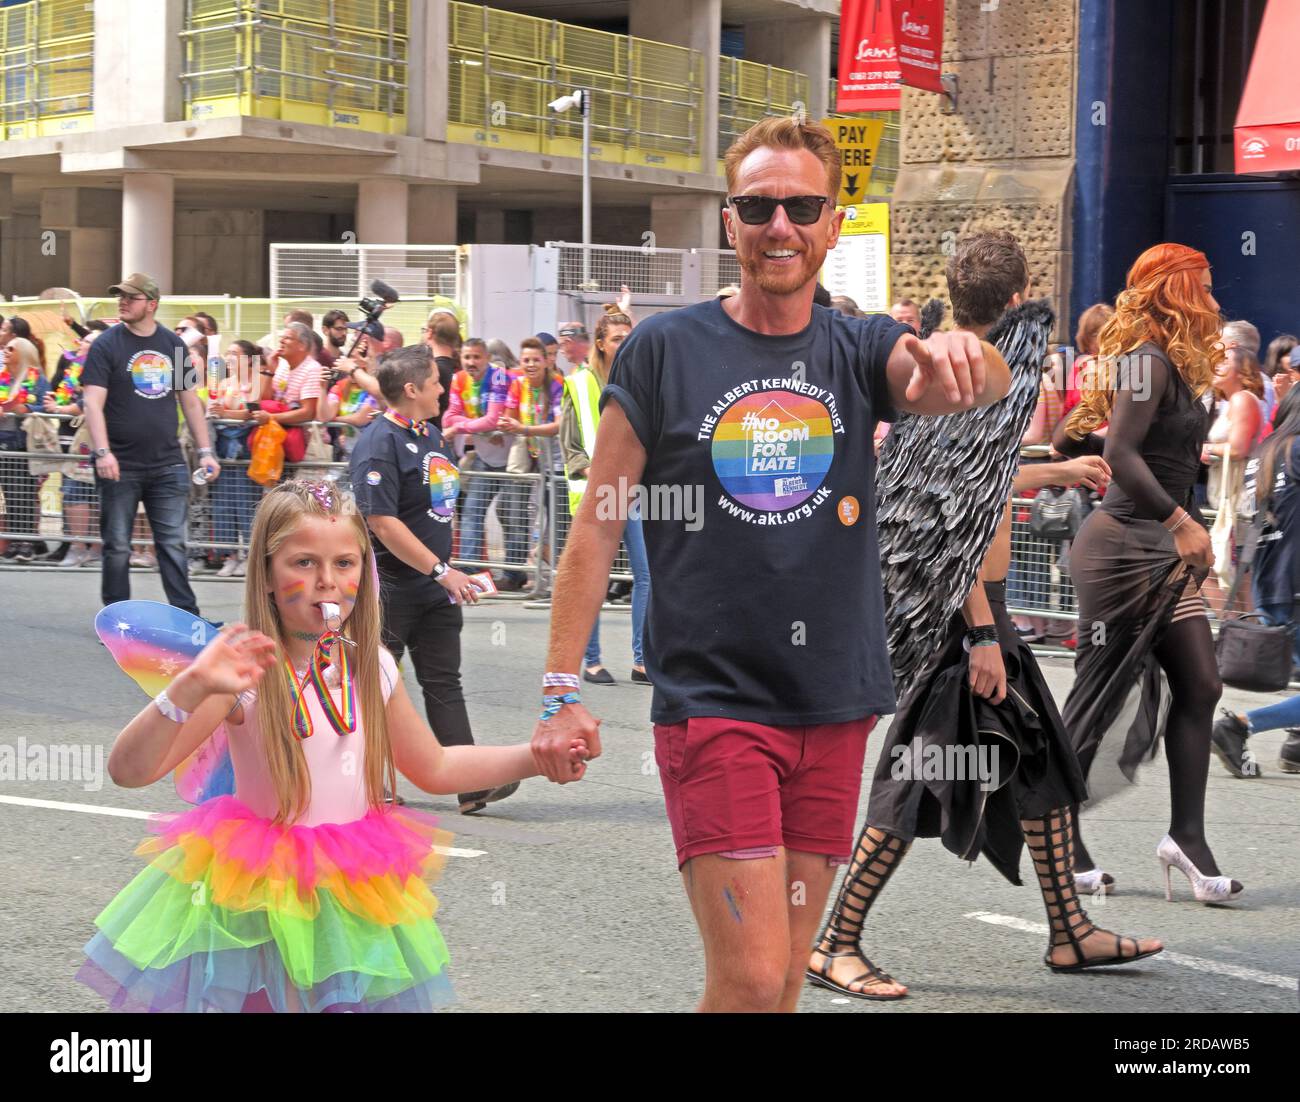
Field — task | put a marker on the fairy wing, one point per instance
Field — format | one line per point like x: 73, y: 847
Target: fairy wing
x: 152, y: 642
x: 941, y: 484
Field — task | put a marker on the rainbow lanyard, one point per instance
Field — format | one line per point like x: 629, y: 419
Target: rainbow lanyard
x: 70, y: 385
x: 344, y: 722
x: 471, y: 394
x: 420, y: 428
x: 28, y: 384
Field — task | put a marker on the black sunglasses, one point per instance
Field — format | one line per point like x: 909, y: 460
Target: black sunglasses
x: 754, y: 210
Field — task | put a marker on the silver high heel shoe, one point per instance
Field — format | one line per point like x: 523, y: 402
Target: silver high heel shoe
x: 1207, y: 889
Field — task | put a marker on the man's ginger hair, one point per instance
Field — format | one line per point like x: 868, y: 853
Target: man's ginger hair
x: 780, y: 132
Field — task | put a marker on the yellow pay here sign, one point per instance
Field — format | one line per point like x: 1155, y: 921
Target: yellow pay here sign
x: 858, y: 141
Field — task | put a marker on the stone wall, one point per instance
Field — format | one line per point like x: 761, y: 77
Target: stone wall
x: 1004, y: 159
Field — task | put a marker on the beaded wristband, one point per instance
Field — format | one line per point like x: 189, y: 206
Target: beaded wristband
x: 560, y: 681
x: 984, y: 633
x: 552, y: 704
x: 164, y: 704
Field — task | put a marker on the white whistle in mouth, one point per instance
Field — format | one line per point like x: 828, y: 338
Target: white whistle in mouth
x: 330, y: 611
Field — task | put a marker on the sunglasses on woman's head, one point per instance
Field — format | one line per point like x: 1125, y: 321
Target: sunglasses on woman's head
x: 755, y: 210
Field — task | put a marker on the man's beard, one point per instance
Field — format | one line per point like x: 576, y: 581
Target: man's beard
x: 780, y: 283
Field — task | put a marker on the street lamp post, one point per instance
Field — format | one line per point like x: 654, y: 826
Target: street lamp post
x: 582, y: 100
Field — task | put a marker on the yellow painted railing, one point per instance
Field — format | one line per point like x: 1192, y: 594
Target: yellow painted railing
x: 886, y: 169
x: 46, y: 67
x: 748, y: 92
x: 647, y: 97
x: 341, y: 63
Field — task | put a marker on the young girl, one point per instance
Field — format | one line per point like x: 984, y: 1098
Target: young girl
x: 303, y: 891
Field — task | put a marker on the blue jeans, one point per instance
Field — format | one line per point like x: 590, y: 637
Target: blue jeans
x: 234, y: 494
x: 483, y: 488
x: 1286, y: 713
x: 634, y: 538
x: 166, y: 495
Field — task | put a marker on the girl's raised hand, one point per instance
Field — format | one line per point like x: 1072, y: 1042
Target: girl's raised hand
x: 234, y: 661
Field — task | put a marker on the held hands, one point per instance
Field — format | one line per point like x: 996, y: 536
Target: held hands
x: 1090, y: 470
x: 988, y: 673
x: 510, y: 424
x: 234, y: 661
x: 953, y: 362
x: 565, y: 743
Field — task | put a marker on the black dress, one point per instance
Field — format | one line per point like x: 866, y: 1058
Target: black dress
x: 1130, y: 582
x: 1033, y: 772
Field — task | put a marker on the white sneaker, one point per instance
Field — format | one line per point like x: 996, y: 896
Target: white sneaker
x: 241, y: 567
x: 75, y: 557
x: 228, y: 567
x: 139, y: 558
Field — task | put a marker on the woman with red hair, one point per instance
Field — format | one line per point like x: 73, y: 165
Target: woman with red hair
x: 1139, y: 560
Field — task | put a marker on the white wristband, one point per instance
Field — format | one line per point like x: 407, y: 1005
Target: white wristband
x: 164, y: 704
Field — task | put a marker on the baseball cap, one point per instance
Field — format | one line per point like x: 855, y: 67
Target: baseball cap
x: 573, y: 329
x: 547, y: 338
x: 137, y: 283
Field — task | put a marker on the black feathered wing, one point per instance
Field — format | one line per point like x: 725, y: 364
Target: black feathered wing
x: 941, y: 484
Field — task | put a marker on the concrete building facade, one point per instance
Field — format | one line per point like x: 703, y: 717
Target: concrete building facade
x: 148, y: 176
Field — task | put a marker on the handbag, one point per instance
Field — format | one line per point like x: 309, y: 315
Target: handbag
x: 83, y: 470
x: 267, y: 446
x: 43, y: 436
x: 1057, y: 512
x: 1253, y: 656
x: 1222, y: 538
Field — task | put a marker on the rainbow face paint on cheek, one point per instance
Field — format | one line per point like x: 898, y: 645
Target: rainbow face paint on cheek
x: 293, y: 592
x: 350, y: 594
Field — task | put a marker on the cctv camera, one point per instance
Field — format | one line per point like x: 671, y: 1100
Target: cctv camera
x: 563, y: 104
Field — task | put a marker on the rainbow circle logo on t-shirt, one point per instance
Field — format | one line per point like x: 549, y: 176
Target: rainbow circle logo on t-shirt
x: 772, y: 449
x: 444, y: 486
x: 151, y: 374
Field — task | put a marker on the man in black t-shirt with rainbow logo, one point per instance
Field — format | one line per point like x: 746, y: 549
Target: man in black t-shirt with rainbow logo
x: 765, y: 639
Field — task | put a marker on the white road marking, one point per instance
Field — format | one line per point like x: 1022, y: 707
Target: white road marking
x: 1236, y: 971
x: 130, y: 813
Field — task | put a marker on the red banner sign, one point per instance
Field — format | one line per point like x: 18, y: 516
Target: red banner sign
x: 868, y: 62
x: 918, y: 33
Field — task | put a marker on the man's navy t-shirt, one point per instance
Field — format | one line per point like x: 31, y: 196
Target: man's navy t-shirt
x: 766, y: 605
x: 398, y: 473
x: 141, y: 375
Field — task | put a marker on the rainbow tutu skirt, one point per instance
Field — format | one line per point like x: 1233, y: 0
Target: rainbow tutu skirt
x: 236, y: 913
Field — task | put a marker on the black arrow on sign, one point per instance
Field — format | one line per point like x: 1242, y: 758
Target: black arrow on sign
x: 850, y: 184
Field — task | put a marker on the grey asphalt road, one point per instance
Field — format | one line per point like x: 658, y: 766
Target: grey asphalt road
x: 567, y: 898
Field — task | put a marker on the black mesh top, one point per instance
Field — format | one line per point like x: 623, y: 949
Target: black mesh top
x: 1153, y: 444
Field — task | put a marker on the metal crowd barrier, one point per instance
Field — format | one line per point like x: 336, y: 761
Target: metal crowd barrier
x: 513, y: 524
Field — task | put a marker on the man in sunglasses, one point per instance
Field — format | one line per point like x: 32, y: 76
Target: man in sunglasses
x: 766, y: 646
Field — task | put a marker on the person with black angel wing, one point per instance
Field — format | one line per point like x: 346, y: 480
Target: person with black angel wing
x: 977, y: 753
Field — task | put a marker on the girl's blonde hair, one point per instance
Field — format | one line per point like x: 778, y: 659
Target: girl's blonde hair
x: 600, y: 360
x: 278, y: 516
x: 1164, y: 303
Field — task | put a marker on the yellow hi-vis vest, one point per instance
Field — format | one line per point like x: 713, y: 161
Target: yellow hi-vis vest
x: 584, y: 393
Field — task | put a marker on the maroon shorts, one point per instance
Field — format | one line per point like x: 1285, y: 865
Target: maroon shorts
x: 743, y: 789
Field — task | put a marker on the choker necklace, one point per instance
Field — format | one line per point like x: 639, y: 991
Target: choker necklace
x: 305, y: 636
